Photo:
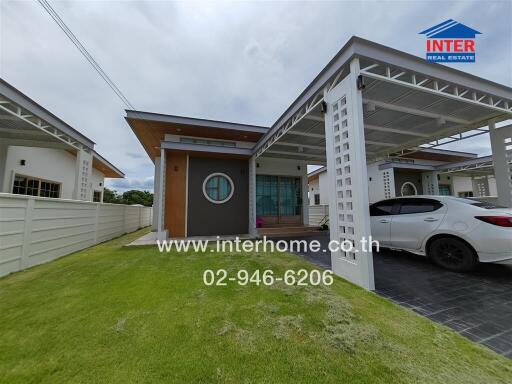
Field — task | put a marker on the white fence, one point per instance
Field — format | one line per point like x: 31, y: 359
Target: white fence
x: 35, y: 230
x: 317, y: 214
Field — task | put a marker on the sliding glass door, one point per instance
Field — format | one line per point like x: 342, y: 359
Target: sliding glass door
x: 279, y: 199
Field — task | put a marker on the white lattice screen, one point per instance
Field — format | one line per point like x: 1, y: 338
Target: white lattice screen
x: 387, y: 180
x: 347, y: 181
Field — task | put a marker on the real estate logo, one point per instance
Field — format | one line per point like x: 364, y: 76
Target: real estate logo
x: 450, y: 42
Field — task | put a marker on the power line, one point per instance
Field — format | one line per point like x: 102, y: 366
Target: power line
x: 85, y: 53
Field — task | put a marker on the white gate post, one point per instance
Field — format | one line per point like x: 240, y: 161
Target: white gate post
x: 501, y: 143
x: 27, y: 233
x: 347, y: 176
x: 252, y: 196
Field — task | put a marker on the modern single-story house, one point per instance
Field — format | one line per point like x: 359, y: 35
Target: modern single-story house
x: 405, y: 176
x: 41, y: 155
x: 369, y: 103
x: 206, y: 175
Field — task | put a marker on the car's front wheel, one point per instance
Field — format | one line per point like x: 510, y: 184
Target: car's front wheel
x: 453, y: 254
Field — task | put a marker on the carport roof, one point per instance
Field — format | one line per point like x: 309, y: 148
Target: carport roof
x: 27, y: 120
x: 23, y: 122
x: 409, y: 104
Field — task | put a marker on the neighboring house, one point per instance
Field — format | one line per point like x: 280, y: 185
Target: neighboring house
x: 41, y: 155
x: 203, y: 173
x: 408, y: 175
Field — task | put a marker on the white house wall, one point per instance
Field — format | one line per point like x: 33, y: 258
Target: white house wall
x: 461, y: 184
x: 493, y: 190
x: 375, y: 183
x: 314, y: 188
x: 48, y: 164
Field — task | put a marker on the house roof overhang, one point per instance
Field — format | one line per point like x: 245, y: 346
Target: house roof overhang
x: 106, y: 167
x: 151, y: 128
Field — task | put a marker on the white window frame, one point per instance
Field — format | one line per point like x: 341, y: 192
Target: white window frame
x: 207, y: 178
x: 14, y: 174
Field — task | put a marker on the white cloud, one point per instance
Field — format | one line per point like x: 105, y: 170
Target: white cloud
x: 128, y: 183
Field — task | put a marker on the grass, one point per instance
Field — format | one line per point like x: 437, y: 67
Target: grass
x: 114, y: 315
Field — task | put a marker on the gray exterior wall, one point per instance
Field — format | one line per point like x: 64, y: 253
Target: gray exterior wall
x: 403, y: 176
x: 209, y: 219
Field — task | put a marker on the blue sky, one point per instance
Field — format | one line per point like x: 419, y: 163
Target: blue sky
x: 233, y: 61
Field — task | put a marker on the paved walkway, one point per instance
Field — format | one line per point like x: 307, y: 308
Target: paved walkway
x: 477, y: 305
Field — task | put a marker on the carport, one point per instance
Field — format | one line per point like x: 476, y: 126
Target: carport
x: 372, y: 102
x: 481, y: 171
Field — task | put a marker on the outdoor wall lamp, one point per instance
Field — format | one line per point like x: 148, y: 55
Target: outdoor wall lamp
x: 324, y: 107
x: 360, y: 82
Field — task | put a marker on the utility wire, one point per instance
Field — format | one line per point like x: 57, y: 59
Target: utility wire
x: 85, y: 53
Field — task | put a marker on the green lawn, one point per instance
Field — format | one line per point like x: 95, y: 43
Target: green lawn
x: 110, y: 314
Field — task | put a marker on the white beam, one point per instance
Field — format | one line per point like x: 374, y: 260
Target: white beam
x: 298, y: 145
x: 285, y: 153
x: 314, y: 118
x: 393, y: 130
x: 418, y: 86
x: 382, y: 144
x: 307, y: 134
x: 414, y: 111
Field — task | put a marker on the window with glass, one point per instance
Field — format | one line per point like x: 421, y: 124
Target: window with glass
x: 445, y: 190
x: 24, y: 185
x: 218, y: 188
x: 266, y: 195
x: 278, y: 196
x: 96, y: 196
x: 317, y: 199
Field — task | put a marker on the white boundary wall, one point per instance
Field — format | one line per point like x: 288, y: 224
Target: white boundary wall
x: 35, y: 230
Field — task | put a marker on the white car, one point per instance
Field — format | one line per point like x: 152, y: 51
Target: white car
x: 454, y: 233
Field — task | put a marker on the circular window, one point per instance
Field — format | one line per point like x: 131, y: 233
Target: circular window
x: 218, y: 188
x: 409, y: 189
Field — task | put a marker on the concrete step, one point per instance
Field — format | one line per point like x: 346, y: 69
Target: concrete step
x: 298, y: 231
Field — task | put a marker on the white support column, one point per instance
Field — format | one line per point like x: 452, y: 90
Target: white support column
x: 83, y: 190
x: 162, y: 232
x: 305, y: 198
x: 501, y: 143
x: 4, y: 148
x: 252, y: 196
x: 430, y: 183
x: 156, y: 193
x: 348, y: 180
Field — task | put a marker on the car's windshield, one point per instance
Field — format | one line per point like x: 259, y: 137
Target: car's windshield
x: 480, y: 204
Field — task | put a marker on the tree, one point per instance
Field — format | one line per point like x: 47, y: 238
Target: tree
x: 138, y: 197
x: 111, y: 196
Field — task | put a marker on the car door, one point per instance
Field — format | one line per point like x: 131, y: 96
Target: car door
x: 414, y: 220
x: 380, y: 220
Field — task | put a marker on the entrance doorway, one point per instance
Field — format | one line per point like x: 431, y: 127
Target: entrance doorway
x: 278, y: 199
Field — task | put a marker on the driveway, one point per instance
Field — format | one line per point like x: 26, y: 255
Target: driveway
x: 477, y: 305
